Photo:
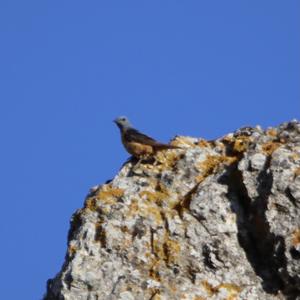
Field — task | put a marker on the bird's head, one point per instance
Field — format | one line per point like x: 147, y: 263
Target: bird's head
x: 122, y: 122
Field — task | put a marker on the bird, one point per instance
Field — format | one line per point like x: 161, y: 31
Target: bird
x: 139, y: 145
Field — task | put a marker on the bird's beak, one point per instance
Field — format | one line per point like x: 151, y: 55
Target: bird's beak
x: 115, y: 121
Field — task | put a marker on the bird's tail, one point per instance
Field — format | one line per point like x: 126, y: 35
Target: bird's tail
x: 160, y: 146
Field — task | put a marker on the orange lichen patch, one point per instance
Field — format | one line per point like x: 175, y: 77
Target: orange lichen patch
x: 164, y: 251
x: 154, y: 274
x: 147, y: 209
x: 125, y: 229
x: 241, y: 144
x: 158, y: 250
x: 109, y: 191
x: 161, y: 193
x: 72, y: 250
x: 231, y: 288
x: 167, y: 159
x: 184, y: 204
x: 296, y: 237
x: 227, y: 139
x: 272, y: 132
x: 91, y: 204
x: 171, y: 250
x: 200, y: 178
x: 172, y: 204
x: 147, y: 254
x: 199, y: 298
x: 297, y: 172
x: 182, y: 141
x: 151, y: 204
x: 108, y: 194
x: 169, y: 213
x: 237, y: 145
x: 152, y: 211
x: 154, y: 270
x: 203, y: 143
x: 155, y: 197
x: 232, y: 297
x: 173, y: 287
x: 210, y: 290
x: 156, y: 296
x: 133, y: 206
x: 208, y: 166
x: 294, y: 156
x: 160, y: 187
x: 100, y: 234
x: 161, y: 196
x: 269, y: 147
x: 126, y: 243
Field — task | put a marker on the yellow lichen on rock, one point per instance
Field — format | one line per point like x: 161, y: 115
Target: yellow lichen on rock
x: 107, y: 197
x: 108, y: 191
x: 166, y: 249
x: 160, y: 194
x: 100, y: 234
x: 133, y: 207
x: 294, y: 157
x: 238, y: 144
x: 241, y: 144
x: 154, y: 269
x: 208, y: 166
x: 91, y: 204
x: 269, y: 147
x: 165, y: 252
x: 199, y: 298
x: 203, y: 143
x: 296, y: 238
x: 182, y: 141
x: 156, y: 296
x: 211, y: 164
x: 297, y: 172
x: 232, y: 289
x: 106, y: 194
x: 166, y: 159
x: 156, y: 197
x: 272, y: 132
x: 72, y: 250
x: 210, y: 290
x: 155, y: 200
x: 171, y: 249
x: 152, y: 211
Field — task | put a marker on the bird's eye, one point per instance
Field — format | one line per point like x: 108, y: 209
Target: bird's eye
x: 123, y: 119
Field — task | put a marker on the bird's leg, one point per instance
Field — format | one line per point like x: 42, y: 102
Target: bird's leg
x: 157, y: 158
x: 134, y: 170
x: 137, y: 164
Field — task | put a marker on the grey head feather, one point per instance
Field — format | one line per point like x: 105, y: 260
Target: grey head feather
x: 123, y: 123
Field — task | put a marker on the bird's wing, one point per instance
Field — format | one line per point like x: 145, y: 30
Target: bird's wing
x: 133, y: 135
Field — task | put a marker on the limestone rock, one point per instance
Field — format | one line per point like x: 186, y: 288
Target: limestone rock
x: 212, y: 220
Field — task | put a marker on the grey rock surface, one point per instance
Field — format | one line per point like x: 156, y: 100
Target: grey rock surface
x: 212, y: 220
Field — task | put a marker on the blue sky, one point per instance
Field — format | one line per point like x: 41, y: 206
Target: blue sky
x: 68, y: 68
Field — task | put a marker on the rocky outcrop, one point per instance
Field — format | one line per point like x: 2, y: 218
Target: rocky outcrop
x: 212, y: 220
